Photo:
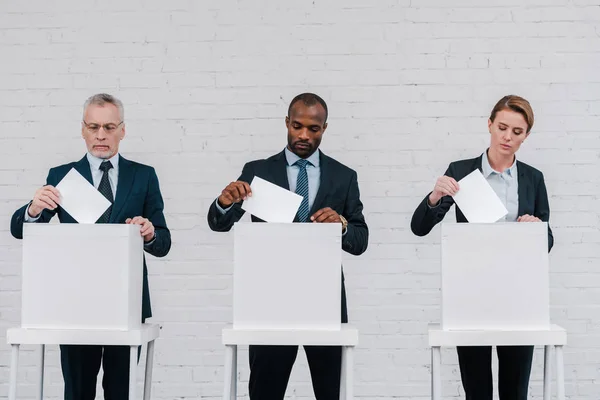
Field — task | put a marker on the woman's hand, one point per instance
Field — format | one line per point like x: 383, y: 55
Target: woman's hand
x: 444, y: 186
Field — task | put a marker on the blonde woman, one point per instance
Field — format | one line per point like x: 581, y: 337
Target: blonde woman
x: 522, y: 190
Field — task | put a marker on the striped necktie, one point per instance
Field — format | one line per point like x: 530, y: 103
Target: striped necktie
x: 106, y: 191
x: 302, y: 189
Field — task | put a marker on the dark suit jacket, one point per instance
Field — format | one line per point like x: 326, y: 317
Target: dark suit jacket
x: 138, y: 194
x: 533, y: 198
x: 338, y: 189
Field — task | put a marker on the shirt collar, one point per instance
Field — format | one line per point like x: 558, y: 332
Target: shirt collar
x: 291, y: 158
x: 488, y: 170
x: 95, y: 161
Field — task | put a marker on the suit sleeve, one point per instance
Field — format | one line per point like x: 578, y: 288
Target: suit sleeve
x: 542, y: 208
x: 18, y: 218
x: 356, y: 239
x: 425, y: 216
x: 153, y: 210
x: 220, y: 222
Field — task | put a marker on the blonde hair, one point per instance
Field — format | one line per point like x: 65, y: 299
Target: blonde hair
x: 516, y: 104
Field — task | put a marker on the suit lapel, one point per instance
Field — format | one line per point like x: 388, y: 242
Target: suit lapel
x: 325, y: 183
x: 83, y: 167
x: 478, y: 164
x: 125, y: 182
x: 279, y: 171
x: 523, y: 190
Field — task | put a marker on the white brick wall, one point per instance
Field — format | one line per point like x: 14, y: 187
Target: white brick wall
x: 409, y: 83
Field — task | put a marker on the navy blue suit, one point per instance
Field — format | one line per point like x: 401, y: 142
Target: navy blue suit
x: 138, y: 194
x: 270, y: 366
x: 475, y: 361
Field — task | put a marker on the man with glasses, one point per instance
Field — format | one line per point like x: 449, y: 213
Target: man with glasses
x: 135, y: 197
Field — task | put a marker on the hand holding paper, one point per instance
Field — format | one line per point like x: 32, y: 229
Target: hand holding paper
x: 444, y: 186
x: 270, y: 202
x: 477, y: 200
x: 81, y: 199
x: 234, y: 193
x: 46, y: 197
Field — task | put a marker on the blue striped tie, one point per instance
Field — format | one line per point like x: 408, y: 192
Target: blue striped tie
x: 302, y: 189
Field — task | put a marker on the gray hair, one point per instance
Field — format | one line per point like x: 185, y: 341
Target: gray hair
x: 101, y: 99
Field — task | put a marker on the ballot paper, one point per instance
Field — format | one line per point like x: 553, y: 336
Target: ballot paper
x: 81, y: 199
x: 270, y: 202
x: 477, y: 200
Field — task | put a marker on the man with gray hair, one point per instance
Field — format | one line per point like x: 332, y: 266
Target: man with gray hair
x: 135, y: 198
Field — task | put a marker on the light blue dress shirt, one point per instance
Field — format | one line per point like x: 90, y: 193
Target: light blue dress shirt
x: 313, y: 170
x: 506, y: 186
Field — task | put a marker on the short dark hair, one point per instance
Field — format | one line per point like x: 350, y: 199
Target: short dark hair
x: 309, y: 99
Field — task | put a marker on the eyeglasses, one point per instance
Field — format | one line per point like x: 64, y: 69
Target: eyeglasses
x: 108, y: 128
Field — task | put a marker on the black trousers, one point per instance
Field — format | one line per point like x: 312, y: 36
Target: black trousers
x: 271, y: 366
x: 81, y: 364
x: 514, y: 368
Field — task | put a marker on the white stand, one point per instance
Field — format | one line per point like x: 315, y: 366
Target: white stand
x: 134, y: 338
x: 347, y: 338
x: 73, y: 296
x: 68, y: 284
x: 287, y: 291
x: 555, y: 338
x: 495, y: 276
x: 495, y: 292
x: 287, y: 276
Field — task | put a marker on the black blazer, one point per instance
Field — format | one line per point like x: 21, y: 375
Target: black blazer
x: 338, y: 189
x: 533, y: 198
x: 138, y: 194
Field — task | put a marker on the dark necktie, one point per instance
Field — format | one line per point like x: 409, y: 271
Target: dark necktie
x: 106, y: 191
x: 302, y: 190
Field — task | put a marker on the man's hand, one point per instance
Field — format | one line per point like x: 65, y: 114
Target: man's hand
x: 46, y: 197
x: 234, y: 193
x: 444, y: 186
x: 147, y: 229
x: 326, y: 215
x: 528, y: 218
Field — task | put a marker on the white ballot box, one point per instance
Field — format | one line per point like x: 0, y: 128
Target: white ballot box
x: 495, y: 276
x: 82, y: 276
x: 287, y: 276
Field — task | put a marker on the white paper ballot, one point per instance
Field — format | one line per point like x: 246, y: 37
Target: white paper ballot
x: 270, y: 202
x: 477, y: 200
x: 81, y: 199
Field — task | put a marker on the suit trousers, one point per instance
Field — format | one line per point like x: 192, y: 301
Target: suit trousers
x: 81, y: 364
x: 514, y: 368
x: 271, y: 366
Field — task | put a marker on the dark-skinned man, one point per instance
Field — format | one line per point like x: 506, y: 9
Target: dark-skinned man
x: 330, y: 195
